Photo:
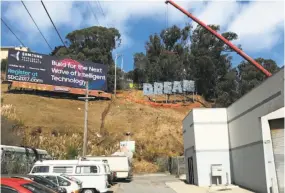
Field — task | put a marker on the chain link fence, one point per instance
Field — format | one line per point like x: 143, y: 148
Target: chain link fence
x: 173, y: 165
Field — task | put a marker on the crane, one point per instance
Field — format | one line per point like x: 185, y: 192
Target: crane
x: 232, y: 46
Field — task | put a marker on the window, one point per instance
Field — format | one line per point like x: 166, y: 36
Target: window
x: 106, y: 170
x: 40, y: 169
x: 86, y: 169
x: 7, y: 189
x: 37, y: 188
x: 63, y: 169
x: 63, y: 182
x: 52, y: 179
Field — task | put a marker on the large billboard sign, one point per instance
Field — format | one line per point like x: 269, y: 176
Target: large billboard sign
x: 59, y: 72
x: 176, y: 87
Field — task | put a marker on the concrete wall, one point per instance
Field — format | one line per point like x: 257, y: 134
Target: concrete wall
x: 189, y: 145
x: 269, y: 158
x: 245, y: 132
x: 205, y: 135
x: 205, y: 159
x: 211, y: 143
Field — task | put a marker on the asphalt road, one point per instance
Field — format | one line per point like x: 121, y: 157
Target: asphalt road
x: 146, y: 184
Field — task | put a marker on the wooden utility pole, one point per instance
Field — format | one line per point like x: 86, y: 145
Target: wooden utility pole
x: 86, y: 98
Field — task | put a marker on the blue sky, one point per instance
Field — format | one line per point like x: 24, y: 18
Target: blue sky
x: 259, y: 24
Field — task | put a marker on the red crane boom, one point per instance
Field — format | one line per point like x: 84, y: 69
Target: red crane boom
x: 235, y: 48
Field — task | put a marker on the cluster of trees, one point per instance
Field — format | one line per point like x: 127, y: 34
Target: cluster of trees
x: 174, y: 54
x: 195, y: 54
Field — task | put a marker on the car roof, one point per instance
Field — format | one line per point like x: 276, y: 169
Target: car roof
x: 67, y: 162
x: 45, y: 174
x: 14, y: 181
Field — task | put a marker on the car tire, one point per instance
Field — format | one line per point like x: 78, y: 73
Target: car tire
x: 88, y: 191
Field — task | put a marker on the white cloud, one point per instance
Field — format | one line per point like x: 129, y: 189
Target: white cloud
x: 258, y: 24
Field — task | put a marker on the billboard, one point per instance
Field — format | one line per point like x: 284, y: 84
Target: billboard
x: 62, y: 73
x: 176, y: 87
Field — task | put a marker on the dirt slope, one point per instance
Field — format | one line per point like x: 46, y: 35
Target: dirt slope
x: 57, y: 125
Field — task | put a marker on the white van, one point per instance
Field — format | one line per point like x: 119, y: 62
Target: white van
x: 92, y: 173
x: 105, y: 162
x: 119, y: 164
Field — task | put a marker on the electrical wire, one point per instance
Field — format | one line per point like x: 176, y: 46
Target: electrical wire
x: 13, y: 32
x: 36, y: 25
x: 93, y: 12
x: 166, y: 16
x: 53, y: 23
x: 99, y: 4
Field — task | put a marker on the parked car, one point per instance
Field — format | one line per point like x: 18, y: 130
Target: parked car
x: 9, y: 185
x: 71, y: 184
x: 43, y: 181
x: 91, y: 173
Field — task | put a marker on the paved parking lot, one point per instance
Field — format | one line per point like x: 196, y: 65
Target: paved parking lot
x: 162, y: 183
x: 146, y: 184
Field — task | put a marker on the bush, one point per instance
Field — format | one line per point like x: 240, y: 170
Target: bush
x: 72, y: 152
x: 4, y: 63
x: 9, y: 130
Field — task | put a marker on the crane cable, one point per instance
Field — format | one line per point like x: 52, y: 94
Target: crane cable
x: 36, y: 25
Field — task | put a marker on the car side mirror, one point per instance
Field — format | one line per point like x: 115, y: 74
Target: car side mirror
x: 65, y: 184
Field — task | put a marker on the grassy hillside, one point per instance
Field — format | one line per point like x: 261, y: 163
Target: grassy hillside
x: 56, y: 124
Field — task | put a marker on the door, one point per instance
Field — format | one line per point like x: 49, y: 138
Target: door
x: 191, y: 170
x: 277, y: 136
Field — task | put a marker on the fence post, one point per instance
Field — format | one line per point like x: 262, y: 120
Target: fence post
x: 178, y: 166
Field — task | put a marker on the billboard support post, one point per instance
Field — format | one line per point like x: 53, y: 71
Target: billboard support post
x: 85, y: 137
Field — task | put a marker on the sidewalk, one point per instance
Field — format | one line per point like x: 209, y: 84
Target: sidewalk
x: 181, y: 187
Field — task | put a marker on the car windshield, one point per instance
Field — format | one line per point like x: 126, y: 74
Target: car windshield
x: 37, y: 188
x: 44, y: 181
x: 71, y: 178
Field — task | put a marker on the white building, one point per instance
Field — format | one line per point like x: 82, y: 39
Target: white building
x: 5, y: 49
x: 247, y: 139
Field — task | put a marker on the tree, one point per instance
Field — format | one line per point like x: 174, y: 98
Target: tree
x: 4, y: 63
x: 249, y: 76
x: 93, y: 44
x: 165, y: 57
x: 227, y: 89
x: 211, y: 63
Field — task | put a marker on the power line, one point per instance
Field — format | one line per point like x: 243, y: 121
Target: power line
x: 36, y: 25
x: 13, y: 32
x: 52, y: 23
x: 93, y: 12
x: 102, y: 10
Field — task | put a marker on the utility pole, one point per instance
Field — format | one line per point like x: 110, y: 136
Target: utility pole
x: 115, y: 82
x: 86, y: 98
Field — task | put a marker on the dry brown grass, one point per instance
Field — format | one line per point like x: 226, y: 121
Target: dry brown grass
x: 144, y: 167
x: 57, y: 124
